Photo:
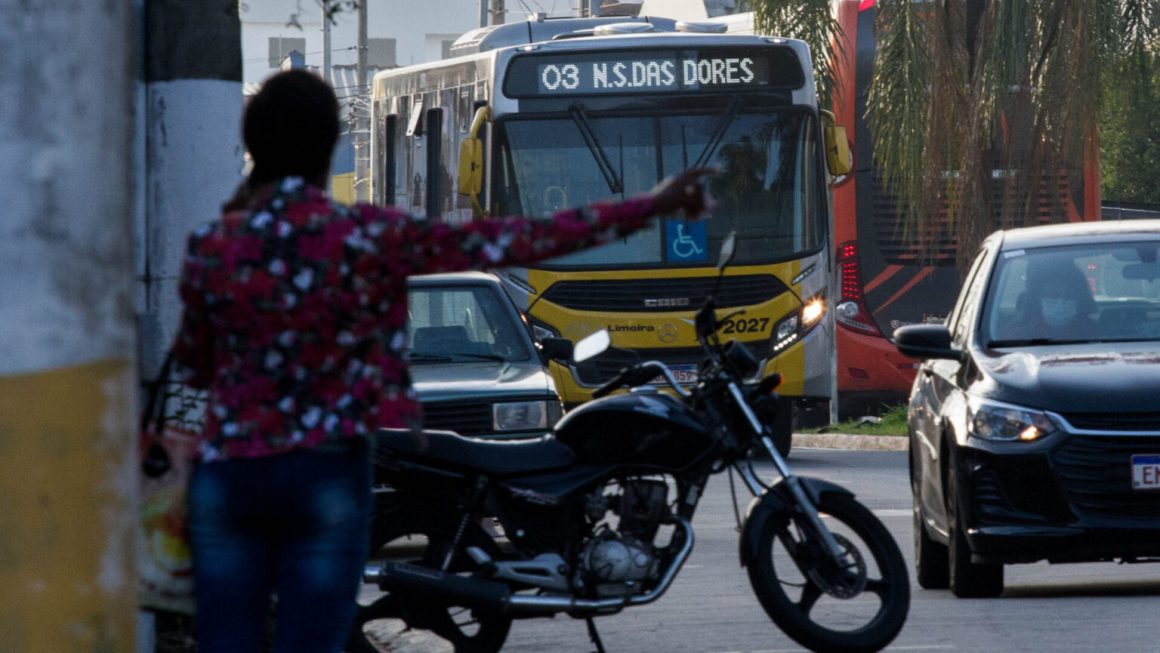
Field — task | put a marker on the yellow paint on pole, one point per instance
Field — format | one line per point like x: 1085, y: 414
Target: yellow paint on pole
x: 67, y: 484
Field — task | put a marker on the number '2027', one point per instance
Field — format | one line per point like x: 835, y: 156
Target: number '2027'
x: 745, y: 325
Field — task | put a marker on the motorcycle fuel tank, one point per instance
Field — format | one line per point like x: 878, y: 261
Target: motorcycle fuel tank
x: 646, y: 429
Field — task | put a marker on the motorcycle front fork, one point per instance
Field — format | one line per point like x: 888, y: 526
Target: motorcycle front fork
x: 805, y: 503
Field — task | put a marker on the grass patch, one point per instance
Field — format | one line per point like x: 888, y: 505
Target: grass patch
x: 890, y: 422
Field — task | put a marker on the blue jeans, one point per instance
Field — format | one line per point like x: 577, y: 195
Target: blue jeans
x: 295, y: 525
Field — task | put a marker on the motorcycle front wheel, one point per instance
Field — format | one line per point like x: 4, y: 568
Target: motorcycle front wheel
x: 409, y: 535
x: 859, y: 605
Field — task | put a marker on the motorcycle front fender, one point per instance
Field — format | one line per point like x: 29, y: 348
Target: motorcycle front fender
x: 778, y: 500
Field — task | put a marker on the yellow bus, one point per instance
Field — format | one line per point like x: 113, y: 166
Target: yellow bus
x: 539, y: 116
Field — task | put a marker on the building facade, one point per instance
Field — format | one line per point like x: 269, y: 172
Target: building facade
x: 398, y: 34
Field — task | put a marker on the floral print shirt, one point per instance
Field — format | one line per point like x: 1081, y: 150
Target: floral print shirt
x: 295, y: 308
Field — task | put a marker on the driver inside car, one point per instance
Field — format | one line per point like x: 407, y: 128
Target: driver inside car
x: 1057, y: 304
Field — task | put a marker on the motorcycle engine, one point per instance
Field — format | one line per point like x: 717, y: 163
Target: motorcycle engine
x: 626, y: 553
x: 612, y: 558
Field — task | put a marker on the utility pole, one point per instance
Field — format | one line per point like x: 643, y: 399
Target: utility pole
x: 67, y: 381
x: 326, y: 39
x: 483, y: 13
x: 497, y: 12
x: 190, y: 156
x: 361, y: 113
x: 193, y: 154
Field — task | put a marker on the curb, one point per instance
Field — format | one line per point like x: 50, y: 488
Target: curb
x: 850, y: 441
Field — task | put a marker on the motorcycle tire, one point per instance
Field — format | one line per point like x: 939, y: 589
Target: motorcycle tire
x: 411, y: 535
x: 800, y: 563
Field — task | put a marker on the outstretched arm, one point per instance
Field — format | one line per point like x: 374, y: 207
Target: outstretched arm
x: 436, y: 247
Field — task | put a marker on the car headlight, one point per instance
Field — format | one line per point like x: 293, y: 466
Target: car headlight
x: 520, y: 416
x: 999, y: 422
x: 541, y: 330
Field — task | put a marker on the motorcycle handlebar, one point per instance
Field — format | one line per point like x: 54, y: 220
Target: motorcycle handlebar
x: 633, y: 376
x: 610, y: 385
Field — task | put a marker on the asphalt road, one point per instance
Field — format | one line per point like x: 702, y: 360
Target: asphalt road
x: 711, y: 608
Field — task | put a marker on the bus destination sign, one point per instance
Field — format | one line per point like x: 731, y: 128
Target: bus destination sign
x: 650, y: 71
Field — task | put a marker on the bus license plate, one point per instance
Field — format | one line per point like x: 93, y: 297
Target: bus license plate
x: 684, y: 374
x: 1146, y: 472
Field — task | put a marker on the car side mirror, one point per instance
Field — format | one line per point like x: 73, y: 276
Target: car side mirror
x: 926, y: 341
x: 559, y: 349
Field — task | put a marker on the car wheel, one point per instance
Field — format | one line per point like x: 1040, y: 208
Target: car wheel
x: 931, y: 563
x: 966, y: 579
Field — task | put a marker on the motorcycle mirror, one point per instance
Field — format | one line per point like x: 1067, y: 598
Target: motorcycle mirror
x: 728, y: 249
x: 592, y: 346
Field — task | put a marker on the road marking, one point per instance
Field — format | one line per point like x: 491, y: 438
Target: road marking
x: 894, y: 512
x: 912, y: 647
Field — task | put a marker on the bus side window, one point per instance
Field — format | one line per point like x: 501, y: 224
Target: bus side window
x: 403, y: 154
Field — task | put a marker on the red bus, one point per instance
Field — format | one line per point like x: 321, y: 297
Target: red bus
x: 886, y: 282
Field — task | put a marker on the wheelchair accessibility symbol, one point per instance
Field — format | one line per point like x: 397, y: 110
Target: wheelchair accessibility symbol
x: 686, y: 241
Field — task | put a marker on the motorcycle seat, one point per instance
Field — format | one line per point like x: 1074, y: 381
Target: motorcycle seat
x: 491, y: 457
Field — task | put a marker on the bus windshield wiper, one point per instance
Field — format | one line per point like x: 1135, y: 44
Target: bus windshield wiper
x: 719, y: 132
x: 580, y: 117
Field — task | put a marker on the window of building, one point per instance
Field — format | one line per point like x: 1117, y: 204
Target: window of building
x: 381, y: 53
x: 281, y: 47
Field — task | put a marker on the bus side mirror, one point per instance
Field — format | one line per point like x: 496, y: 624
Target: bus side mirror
x: 838, y: 157
x: 471, y: 161
x: 471, y: 167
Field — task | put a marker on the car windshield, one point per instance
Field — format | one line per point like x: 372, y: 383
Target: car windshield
x: 460, y: 324
x: 768, y: 189
x: 1104, y: 292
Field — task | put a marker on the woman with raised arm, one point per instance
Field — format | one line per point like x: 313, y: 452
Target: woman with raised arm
x: 294, y: 318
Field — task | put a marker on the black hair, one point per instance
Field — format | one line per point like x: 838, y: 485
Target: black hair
x: 290, y: 127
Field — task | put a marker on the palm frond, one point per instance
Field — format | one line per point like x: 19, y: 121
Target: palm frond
x: 1016, y: 90
x: 898, y: 107
x: 812, y: 22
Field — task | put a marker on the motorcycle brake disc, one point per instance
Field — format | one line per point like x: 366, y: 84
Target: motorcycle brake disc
x: 844, y: 582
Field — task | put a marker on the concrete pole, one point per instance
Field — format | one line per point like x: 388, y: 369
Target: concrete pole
x: 193, y: 154
x: 362, y: 45
x: 361, y: 137
x: 483, y: 13
x: 498, y: 12
x: 326, y: 39
x: 67, y: 382
x: 189, y: 158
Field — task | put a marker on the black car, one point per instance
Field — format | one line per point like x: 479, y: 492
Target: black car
x: 1034, y: 420
x: 473, y: 362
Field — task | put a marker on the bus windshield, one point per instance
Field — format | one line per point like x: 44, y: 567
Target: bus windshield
x: 769, y: 189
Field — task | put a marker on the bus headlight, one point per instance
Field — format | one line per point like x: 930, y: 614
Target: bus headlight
x: 795, y: 325
x: 786, y: 332
x: 520, y: 416
x: 787, y: 328
x: 812, y: 312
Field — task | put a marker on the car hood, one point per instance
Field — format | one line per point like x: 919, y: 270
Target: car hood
x: 1098, y: 377
x: 479, y: 380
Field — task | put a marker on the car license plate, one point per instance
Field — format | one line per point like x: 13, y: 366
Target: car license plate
x: 684, y: 374
x: 1146, y: 472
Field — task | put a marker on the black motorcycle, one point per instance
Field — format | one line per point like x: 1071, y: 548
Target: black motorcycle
x: 598, y: 517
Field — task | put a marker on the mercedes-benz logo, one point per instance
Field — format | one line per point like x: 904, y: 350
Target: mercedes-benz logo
x: 667, y: 333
